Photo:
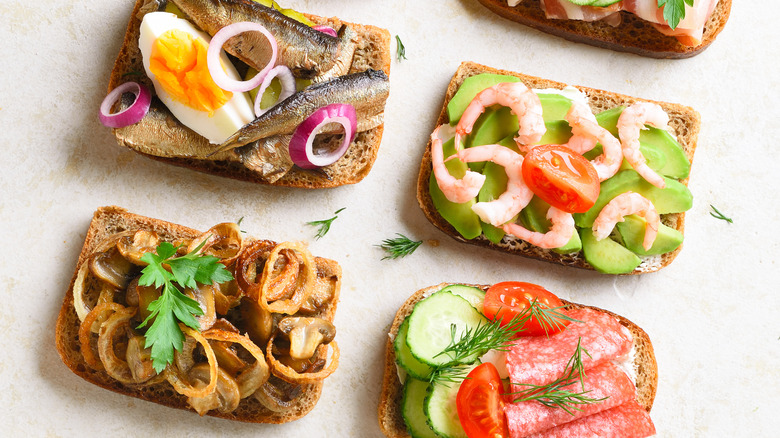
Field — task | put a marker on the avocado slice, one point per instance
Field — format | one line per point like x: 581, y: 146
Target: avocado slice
x: 654, y: 143
x: 675, y: 198
x: 534, y: 217
x: 606, y: 255
x: 632, y: 230
x: 460, y: 216
x: 495, y: 184
x: 554, y: 106
x: 470, y: 87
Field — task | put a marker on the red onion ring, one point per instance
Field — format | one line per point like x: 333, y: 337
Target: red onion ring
x: 301, y: 144
x: 288, y: 86
x: 215, y: 46
x: 130, y: 115
x: 326, y: 29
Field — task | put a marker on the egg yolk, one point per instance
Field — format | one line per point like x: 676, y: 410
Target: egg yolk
x: 178, y: 61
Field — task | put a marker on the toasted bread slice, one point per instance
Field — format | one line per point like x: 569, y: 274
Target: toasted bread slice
x: 372, y: 52
x: 391, y: 420
x: 684, y: 123
x: 632, y: 35
x: 108, y: 221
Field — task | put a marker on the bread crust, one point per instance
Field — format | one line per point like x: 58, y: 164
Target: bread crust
x: 684, y: 123
x: 389, y: 412
x: 110, y: 220
x: 633, y: 35
x: 373, y: 52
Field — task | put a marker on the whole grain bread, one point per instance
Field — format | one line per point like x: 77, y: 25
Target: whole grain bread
x: 632, y: 35
x: 372, y: 52
x: 108, y: 221
x: 391, y: 420
x: 684, y: 124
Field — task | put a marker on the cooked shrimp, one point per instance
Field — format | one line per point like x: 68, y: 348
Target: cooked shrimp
x: 560, y: 232
x: 631, y: 121
x: 586, y: 132
x: 523, y: 102
x: 455, y: 190
x: 517, y: 195
x: 622, y: 205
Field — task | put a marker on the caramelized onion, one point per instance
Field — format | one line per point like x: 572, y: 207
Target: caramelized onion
x: 227, y: 295
x: 222, y: 240
x: 204, y: 295
x: 249, y: 267
x: 257, y: 374
x: 180, y: 382
x: 226, y: 396
x: 85, y: 332
x: 291, y: 375
x: 115, y: 367
x: 276, y: 399
x: 304, y: 282
x: 78, y: 292
x: 139, y: 360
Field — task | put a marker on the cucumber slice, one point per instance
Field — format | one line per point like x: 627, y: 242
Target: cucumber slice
x: 430, y: 324
x: 474, y: 295
x: 404, y: 357
x: 441, y: 407
x: 412, y: 409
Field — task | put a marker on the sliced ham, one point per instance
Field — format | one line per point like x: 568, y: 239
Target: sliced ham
x: 604, y: 381
x: 538, y: 360
x: 628, y: 420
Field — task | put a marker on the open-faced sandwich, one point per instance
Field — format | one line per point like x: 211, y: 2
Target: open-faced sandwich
x: 654, y: 28
x: 210, y: 321
x: 513, y: 360
x: 312, y: 117
x: 570, y: 175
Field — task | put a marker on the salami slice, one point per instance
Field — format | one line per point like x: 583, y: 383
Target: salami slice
x: 604, y: 381
x: 628, y: 420
x: 539, y: 360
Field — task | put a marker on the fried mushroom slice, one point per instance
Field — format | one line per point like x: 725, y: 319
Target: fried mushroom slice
x: 289, y: 374
x: 276, y: 395
x: 251, y: 376
x: 134, y: 247
x: 224, y: 399
x: 306, y: 334
x: 139, y: 360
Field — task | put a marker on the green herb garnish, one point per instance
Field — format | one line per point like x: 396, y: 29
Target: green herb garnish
x: 674, y: 10
x: 554, y: 394
x: 401, y: 246
x: 132, y: 73
x: 324, y: 225
x: 401, y: 50
x: 718, y: 215
x: 164, y: 335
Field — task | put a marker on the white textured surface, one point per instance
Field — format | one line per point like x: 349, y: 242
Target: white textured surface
x: 712, y: 314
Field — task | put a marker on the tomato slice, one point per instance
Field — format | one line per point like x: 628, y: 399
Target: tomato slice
x: 561, y: 177
x: 510, y: 299
x: 480, y: 404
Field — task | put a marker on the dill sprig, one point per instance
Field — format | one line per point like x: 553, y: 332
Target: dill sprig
x: 401, y: 50
x: 492, y: 335
x: 554, y: 394
x: 324, y: 225
x: 718, y: 215
x: 400, y: 246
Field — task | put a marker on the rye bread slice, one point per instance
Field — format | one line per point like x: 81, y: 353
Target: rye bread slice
x: 391, y: 419
x: 108, y: 221
x: 684, y: 125
x: 372, y: 52
x: 632, y: 35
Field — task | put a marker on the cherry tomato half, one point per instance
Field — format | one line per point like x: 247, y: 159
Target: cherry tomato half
x: 480, y: 404
x: 509, y: 299
x: 561, y: 177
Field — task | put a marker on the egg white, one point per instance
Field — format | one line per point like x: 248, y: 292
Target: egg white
x: 227, y: 119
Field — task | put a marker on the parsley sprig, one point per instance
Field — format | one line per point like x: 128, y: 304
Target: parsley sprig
x: 674, y: 10
x: 555, y: 394
x: 166, y: 271
x: 400, y: 246
x: 324, y: 225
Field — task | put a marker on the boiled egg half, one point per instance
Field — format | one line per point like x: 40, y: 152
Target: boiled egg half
x: 174, y: 57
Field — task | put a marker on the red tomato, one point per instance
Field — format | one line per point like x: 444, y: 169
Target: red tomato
x: 509, y: 299
x: 480, y: 404
x: 561, y: 177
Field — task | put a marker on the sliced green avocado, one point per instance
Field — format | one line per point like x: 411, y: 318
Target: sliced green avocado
x: 470, y: 87
x: 633, y: 232
x: 534, y: 217
x: 460, y: 216
x: 492, y: 126
x: 558, y: 132
x: 606, y: 255
x: 662, y: 152
x: 675, y: 198
x: 554, y: 106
